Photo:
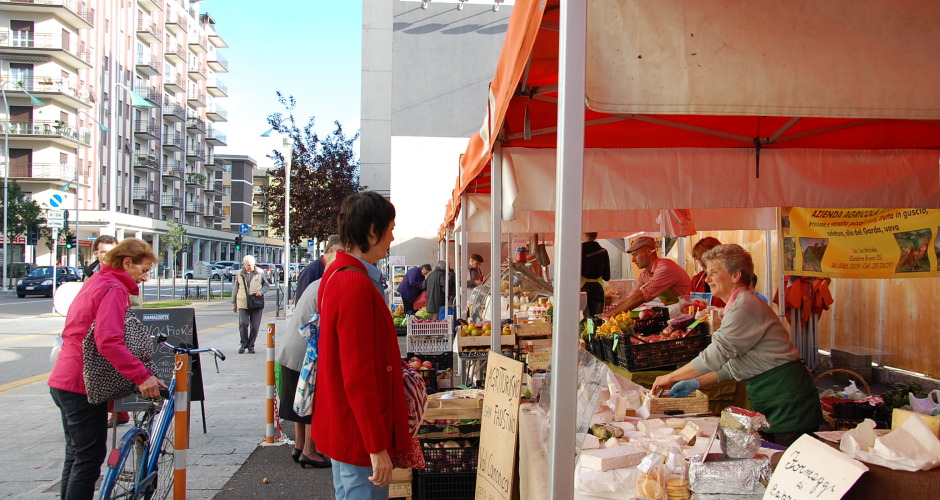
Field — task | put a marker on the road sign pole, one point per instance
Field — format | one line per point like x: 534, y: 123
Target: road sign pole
x: 55, y: 260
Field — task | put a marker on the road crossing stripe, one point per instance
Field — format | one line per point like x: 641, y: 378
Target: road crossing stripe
x: 18, y: 383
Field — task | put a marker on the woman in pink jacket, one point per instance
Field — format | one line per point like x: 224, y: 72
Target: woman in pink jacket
x: 102, y: 303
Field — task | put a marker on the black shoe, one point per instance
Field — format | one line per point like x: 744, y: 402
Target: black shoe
x: 316, y: 464
x: 241, y: 350
x: 251, y: 350
x: 295, y: 454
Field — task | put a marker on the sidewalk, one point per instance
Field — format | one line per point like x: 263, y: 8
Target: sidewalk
x: 31, y: 463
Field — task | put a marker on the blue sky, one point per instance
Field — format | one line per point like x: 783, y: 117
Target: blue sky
x: 309, y: 49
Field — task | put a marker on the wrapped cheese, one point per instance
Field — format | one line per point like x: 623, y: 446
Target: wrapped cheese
x: 740, y: 419
x: 715, y: 473
x: 618, y: 457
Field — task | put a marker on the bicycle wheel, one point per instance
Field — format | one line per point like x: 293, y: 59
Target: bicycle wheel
x: 161, y: 487
x: 121, y: 479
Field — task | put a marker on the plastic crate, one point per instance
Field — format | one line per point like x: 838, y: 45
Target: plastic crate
x: 450, y: 460
x: 401, y: 330
x: 441, y: 363
x: 635, y: 357
x: 429, y: 336
x: 456, y: 486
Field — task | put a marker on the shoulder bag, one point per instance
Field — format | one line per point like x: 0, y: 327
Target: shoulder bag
x: 102, y: 381
x: 254, y: 301
x: 307, y: 382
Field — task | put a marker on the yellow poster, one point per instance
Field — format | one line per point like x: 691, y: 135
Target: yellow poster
x: 861, y: 243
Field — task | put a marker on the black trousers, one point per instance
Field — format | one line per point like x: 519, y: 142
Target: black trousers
x: 86, y: 436
x: 249, y: 321
x: 408, y: 305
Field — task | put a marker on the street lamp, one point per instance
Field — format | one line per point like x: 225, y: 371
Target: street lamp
x: 68, y: 185
x: 288, y: 154
x: 6, y: 168
x: 137, y: 102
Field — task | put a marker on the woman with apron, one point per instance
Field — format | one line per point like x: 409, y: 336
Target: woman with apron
x: 751, y: 345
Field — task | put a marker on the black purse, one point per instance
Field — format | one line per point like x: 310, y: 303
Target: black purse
x: 102, y: 381
x: 254, y: 301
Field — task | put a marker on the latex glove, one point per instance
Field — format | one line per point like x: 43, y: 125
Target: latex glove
x: 684, y: 388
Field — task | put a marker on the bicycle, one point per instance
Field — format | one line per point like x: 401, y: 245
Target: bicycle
x: 142, y: 465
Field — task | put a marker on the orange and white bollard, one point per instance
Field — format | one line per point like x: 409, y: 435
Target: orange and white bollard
x: 181, y: 426
x: 269, y: 423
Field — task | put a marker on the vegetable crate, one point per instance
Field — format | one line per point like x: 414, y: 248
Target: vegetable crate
x: 454, y: 486
x: 441, y: 362
x: 450, y: 460
x: 429, y: 336
x: 635, y: 357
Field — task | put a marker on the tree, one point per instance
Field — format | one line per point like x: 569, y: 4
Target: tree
x: 175, y: 241
x: 323, y: 173
x: 22, y: 211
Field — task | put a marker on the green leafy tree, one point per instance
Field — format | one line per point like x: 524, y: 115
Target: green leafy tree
x: 175, y: 241
x: 22, y: 211
x: 323, y: 172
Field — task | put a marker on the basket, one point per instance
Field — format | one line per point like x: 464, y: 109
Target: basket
x: 450, y: 460
x: 636, y: 357
x: 828, y: 402
x: 697, y: 402
x: 649, y: 326
x: 428, y: 336
x: 458, y: 486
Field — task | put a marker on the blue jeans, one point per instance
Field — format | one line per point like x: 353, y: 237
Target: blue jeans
x: 86, y: 435
x: 351, y: 482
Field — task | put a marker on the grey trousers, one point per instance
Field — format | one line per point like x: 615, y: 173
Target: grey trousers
x: 249, y: 321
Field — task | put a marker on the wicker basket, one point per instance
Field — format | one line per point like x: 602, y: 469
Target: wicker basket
x: 828, y: 401
x: 697, y: 402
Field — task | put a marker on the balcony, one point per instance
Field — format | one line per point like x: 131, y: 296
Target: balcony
x: 57, y: 131
x: 151, y: 94
x: 56, y: 90
x: 42, y: 172
x: 218, y: 63
x: 148, y: 66
x: 174, y: 83
x: 217, y: 113
x: 150, y: 5
x: 147, y: 129
x: 194, y: 124
x: 213, y: 187
x: 144, y: 195
x: 215, y: 138
x: 68, y: 51
x: 174, y: 53
x: 69, y: 11
x: 173, y: 169
x: 217, y: 89
x: 198, y: 45
x: 174, y: 142
x: 196, y: 152
x: 147, y: 163
x: 193, y: 207
x: 214, y: 213
x: 174, y: 112
x: 196, y: 99
x: 196, y: 179
x: 170, y: 201
x: 147, y: 31
x: 176, y: 23
x: 197, y: 72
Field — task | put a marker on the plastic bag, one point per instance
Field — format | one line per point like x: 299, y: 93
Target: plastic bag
x: 926, y: 406
x: 56, y: 348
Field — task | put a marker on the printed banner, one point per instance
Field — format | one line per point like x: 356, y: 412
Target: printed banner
x: 861, y: 243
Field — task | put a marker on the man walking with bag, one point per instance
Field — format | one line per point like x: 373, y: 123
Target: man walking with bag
x: 248, y: 291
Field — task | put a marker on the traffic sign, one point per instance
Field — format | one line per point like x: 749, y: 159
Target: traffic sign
x: 55, y: 223
x: 311, y: 243
x: 56, y: 200
x: 55, y: 215
x: 244, y: 228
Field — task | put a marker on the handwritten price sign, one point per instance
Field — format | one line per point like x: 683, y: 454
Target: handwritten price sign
x: 499, y: 428
x: 810, y: 469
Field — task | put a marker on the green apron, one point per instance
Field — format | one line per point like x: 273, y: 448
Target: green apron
x: 788, y: 397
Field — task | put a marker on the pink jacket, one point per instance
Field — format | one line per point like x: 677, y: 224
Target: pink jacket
x: 96, y: 303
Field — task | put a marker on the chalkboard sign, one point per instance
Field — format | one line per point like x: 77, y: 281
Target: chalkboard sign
x: 179, y: 326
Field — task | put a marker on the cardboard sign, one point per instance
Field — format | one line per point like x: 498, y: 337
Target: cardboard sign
x: 810, y: 469
x: 539, y: 360
x: 499, y: 428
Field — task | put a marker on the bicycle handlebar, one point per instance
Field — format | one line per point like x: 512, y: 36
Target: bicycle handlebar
x: 162, y: 339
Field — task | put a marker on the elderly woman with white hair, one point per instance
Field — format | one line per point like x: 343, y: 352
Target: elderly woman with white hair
x: 249, y: 281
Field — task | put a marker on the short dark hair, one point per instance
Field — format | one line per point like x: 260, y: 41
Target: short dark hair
x: 107, y: 239
x: 137, y: 250
x: 361, y: 213
x: 426, y: 267
x: 591, y: 236
x: 477, y: 257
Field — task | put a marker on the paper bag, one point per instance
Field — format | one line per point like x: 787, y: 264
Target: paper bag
x: 911, y: 447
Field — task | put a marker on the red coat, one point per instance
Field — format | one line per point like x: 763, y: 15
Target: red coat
x: 106, y: 308
x: 359, y: 404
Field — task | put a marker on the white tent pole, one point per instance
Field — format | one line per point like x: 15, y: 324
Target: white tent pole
x: 462, y: 273
x: 782, y: 259
x: 767, y: 280
x: 568, y: 200
x: 447, y: 284
x: 496, y: 239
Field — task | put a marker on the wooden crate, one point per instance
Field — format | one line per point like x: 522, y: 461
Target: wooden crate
x: 535, y: 329
x: 400, y: 487
x: 482, y: 340
x: 454, y: 409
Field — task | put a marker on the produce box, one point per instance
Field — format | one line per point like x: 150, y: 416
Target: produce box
x: 451, y: 455
x: 428, y: 336
x: 439, y: 375
x: 484, y: 340
x: 635, y: 357
x: 400, y: 486
x: 697, y: 402
x: 455, y: 486
x: 534, y: 329
x: 466, y: 405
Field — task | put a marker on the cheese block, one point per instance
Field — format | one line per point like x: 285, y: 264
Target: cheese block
x: 619, y: 457
x: 675, y: 423
x: 611, y: 443
x: 650, y: 425
x: 590, y: 442
x: 899, y: 416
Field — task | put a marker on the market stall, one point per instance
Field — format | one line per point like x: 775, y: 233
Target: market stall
x: 776, y: 140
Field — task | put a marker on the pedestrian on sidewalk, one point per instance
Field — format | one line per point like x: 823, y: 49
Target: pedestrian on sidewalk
x: 360, y: 415
x: 103, y: 301
x: 314, y: 271
x: 249, y: 280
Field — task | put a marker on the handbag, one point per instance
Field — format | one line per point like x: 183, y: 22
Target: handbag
x: 102, y: 381
x: 416, y: 397
x: 307, y: 382
x: 254, y: 301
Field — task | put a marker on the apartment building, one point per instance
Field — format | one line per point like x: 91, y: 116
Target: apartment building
x: 130, y: 108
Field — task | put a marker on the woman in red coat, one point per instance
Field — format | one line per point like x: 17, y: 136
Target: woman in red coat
x: 360, y: 417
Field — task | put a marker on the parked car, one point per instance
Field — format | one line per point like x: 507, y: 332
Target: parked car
x: 216, y: 272
x: 295, y: 270
x: 226, y: 266
x: 268, y: 269
x: 39, y: 280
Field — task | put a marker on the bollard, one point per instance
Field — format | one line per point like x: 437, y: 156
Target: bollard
x: 269, y: 422
x: 181, y: 426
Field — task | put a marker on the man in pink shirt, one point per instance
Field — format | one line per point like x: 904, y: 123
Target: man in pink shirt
x: 661, y: 278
